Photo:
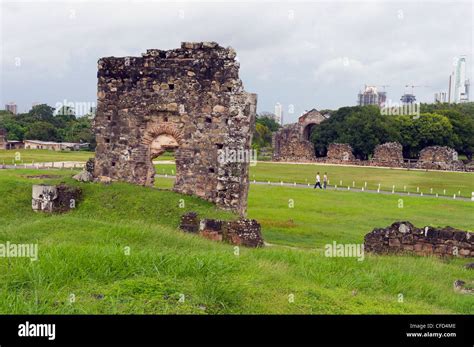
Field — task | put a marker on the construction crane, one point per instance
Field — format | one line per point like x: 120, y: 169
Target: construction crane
x: 413, y: 87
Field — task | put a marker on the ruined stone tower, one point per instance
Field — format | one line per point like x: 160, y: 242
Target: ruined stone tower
x: 189, y: 100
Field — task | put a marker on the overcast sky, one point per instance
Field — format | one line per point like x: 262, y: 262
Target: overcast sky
x: 305, y: 54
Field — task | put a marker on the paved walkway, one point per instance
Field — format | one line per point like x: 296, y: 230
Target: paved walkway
x: 351, y: 189
x: 46, y: 165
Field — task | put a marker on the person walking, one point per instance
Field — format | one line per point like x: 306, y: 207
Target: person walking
x: 325, y: 180
x: 318, y: 182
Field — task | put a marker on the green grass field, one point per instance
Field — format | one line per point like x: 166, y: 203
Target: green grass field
x: 26, y: 156
x: 82, y: 254
x: 443, y: 183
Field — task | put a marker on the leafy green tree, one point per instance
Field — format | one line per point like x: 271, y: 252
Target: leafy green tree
x: 15, y: 131
x: 262, y: 136
x: 463, y: 128
x: 363, y: 127
x: 267, y: 119
x: 41, y: 112
x: 43, y: 131
x: 427, y: 130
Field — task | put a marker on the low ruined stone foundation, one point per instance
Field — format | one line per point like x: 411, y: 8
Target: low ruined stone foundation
x: 388, y: 154
x: 405, y: 237
x: 58, y: 198
x: 439, y: 158
x: 188, y: 100
x: 340, y: 152
x: 245, y: 232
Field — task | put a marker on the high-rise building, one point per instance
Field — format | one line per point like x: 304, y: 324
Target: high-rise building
x: 279, y: 113
x: 441, y: 97
x: 458, y: 84
x: 408, y: 98
x: 12, y: 107
x: 370, y: 96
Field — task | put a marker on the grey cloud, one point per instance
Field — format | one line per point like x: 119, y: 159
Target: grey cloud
x: 300, y: 53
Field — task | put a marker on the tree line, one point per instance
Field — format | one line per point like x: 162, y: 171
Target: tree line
x: 364, y: 127
x: 44, y: 124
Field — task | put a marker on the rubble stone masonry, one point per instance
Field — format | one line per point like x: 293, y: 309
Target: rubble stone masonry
x: 405, y: 237
x: 189, y: 100
x: 245, y: 232
x: 388, y: 154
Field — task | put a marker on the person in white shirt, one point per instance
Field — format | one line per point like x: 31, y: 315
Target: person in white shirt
x: 318, y: 181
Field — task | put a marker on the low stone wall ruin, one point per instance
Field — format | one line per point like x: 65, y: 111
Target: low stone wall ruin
x: 289, y: 146
x: 439, y: 158
x: 245, y: 232
x: 340, y: 152
x: 405, y: 237
x: 388, y: 154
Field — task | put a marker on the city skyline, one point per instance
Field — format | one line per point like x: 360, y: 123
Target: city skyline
x: 297, y: 57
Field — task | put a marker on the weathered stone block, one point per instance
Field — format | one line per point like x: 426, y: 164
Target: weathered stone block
x: 244, y: 232
x: 59, y: 198
x: 190, y: 222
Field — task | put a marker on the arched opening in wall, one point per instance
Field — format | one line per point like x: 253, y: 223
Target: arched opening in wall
x: 306, y: 135
x: 307, y: 131
x: 160, y: 145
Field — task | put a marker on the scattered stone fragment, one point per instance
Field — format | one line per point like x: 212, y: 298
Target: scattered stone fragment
x: 190, y: 222
x: 103, y: 179
x: 90, y: 165
x: 59, y: 198
x: 469, y: 266
x: 83, y: 176
x: 460, y: 287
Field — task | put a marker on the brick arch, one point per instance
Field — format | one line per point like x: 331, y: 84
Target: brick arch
x: 162, y: 129
x: 307, y: 129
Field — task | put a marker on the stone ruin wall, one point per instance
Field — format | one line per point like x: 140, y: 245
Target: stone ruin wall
x: 289, y: 146
x: 189, y: 100
x: 439, y: 158
x: 245, y: 232
x: 388, y: 154
x: 340, y: 153
x: 404, y: 237
x: 291, y: 143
